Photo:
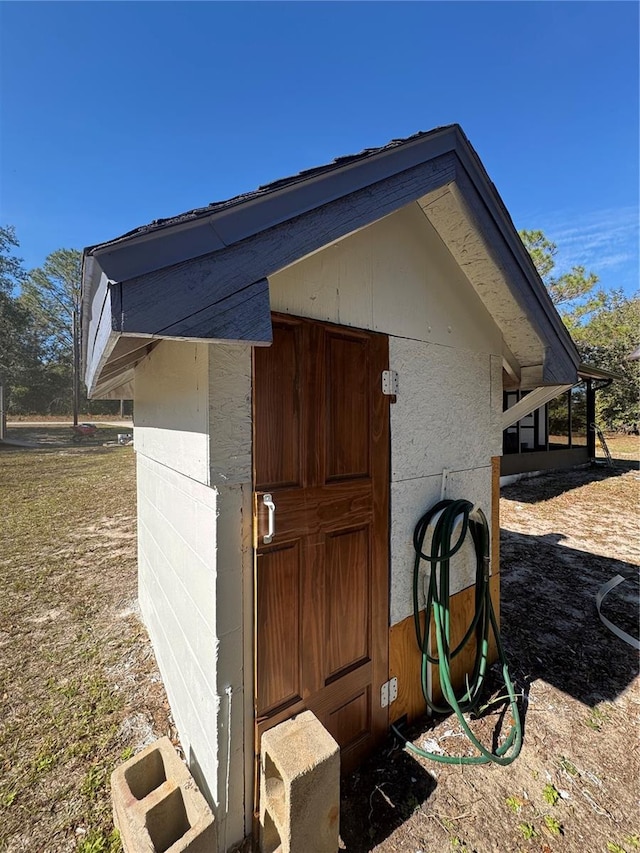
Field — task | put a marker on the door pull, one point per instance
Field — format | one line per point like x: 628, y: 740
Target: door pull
x: 267, y: 500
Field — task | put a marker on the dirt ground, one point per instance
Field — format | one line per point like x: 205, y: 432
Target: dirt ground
x: 81, y: 692
x: 575, y: 785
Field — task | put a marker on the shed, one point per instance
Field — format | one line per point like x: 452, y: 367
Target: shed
x: 336, y: 345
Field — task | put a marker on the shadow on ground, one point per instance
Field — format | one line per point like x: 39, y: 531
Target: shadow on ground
x: 44, y: 437
x: 535, y: 489
x: 380, y: 796
x: 549, y: 622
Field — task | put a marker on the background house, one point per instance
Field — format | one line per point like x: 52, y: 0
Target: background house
x: 559, y: 433
x: 335, y: 344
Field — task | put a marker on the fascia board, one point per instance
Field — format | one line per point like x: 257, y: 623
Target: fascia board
x: 99, y: 358
x: 589, y: 371
x: 498, y: 211
x: 90, y: 276
x: 141, y: 254
x: 164, y: 300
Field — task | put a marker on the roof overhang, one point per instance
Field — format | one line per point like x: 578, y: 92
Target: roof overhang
x: 588, y: 371
x: 204, y: 276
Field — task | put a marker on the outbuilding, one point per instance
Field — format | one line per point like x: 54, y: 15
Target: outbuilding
x: 313, y: 365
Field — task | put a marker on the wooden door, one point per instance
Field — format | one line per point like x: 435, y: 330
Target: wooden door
x: 321, y: 449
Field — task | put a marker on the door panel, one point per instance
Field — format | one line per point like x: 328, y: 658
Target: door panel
x: 321, y: 447
x: 278, y: 444
x: 347, y: 610
x: 348, y: 408
x: 350, y: 723
x: 278, y: 603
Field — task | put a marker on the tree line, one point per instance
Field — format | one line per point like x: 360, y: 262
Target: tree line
x: 39, y: 334
x: 40, y: 310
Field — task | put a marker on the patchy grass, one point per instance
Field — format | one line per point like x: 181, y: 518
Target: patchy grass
x: 80, y: 691
x: 78, y: 683
x: 621, y: 446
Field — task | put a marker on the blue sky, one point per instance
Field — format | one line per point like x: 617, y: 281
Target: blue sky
x: 114, y: 114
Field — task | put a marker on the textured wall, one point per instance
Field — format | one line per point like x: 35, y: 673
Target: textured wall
x: 231, y: 475
x: 445, y: 417
x: 193, y: 443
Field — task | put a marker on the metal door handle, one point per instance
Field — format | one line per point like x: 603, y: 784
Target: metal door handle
x: 267, y: 500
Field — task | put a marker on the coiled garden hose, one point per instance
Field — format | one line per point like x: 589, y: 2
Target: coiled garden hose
x: 443, y: 518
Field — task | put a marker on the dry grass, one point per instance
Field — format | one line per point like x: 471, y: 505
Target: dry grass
x: 80, y: 690
x: 79, y: 686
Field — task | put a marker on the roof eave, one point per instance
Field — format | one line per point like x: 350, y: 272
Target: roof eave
x: 150, y: 258
x: 589, y: 371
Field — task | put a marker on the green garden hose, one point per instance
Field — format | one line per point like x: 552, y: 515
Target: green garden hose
x: 443, y: 518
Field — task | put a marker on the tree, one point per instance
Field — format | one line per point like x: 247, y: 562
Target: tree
x: 52, y: 295
x: 605, y: 327
x: 39, y: 333
x: 12, y: 273
x: 607, y: 341
x: 573, y: 293
x: 15, y: 354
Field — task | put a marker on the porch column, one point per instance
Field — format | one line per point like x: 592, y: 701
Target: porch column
x: 591, y: 419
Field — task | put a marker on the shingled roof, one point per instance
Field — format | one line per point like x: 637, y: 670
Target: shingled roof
x: 204, y: 274
x: 265, y: 189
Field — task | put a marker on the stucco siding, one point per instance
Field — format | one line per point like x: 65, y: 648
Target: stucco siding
x: 230, y: 414
x: 410, y: 499
x: 443, y: 418
x: 230, y: 422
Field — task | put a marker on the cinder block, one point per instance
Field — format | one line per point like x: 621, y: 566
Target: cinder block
x: 299, y: 788
x: 157, y: 805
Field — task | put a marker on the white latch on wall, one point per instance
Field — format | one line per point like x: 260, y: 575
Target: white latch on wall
x: 388, y: 692
x: 390, y: 383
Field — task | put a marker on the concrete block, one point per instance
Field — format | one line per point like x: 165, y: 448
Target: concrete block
x: 299, y: 788
x: 157, y: 806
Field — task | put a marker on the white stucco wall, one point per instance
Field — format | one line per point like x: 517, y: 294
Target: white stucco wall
x: 447, y: 417
x: 230, y: 458
x: 397, y: 277
x: 193, y: 443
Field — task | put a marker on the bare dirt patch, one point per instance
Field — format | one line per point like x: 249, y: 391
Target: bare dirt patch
x: 575, y: 786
